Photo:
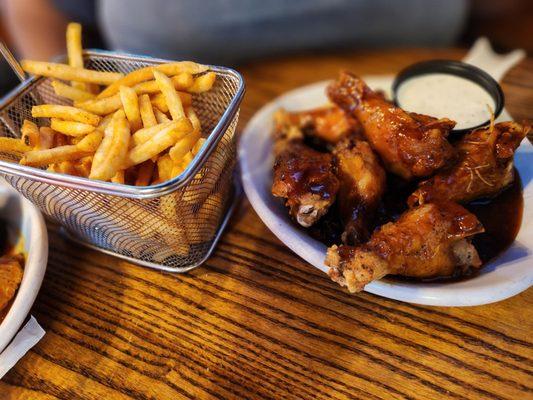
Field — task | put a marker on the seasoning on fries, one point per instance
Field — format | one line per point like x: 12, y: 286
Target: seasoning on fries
x: 138, y: 128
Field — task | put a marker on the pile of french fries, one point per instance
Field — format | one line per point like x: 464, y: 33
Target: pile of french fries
x: 137, y: 129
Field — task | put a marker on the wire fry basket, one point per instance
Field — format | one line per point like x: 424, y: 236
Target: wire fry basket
x: 171, y: 226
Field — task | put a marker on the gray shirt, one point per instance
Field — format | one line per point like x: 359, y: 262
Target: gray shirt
x: 230, y: 31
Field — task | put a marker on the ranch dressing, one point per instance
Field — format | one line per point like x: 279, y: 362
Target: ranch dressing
x: 447, y: 96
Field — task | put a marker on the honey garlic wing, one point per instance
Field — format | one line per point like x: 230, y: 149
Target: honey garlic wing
x: 484, y: 166
x: 362, y: 184
x: 306, y: 179
x: 426, y: 242
x: 410, y: 145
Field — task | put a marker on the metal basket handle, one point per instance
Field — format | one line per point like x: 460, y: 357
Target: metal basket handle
x: 12, y: 61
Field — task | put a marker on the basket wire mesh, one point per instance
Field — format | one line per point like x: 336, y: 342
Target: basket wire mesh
x: 171, y: 226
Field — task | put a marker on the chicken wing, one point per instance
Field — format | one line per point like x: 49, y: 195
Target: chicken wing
x: 362, y: 183
x: 426, y: 242
x: 410, y: 145
x: 285, y: 131
x: 303, y: 176
x: 329, y: 124
x: 483, y: 169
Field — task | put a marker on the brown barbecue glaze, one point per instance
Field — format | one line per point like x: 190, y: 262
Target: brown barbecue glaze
x: 501, y: 217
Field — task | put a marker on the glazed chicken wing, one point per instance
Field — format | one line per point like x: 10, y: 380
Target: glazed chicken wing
x: 362, y: 183
x: 329, y: 124
x: 303, y: 176
x: 410, y: 145
x: 483, y: 169
x: 426, y: 242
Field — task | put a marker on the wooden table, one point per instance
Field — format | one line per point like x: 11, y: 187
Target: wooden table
x: 258, y: 322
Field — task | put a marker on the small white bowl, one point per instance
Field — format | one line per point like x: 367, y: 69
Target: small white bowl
x: 24, y: 219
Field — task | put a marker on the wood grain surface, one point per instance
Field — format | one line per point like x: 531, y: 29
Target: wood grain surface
x: 258, y: 322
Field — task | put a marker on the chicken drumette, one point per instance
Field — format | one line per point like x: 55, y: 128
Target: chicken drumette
x: 484, y: 166
x: 303, y: 176
x: 410, y: 145
x: 426, y: 242
x: 329, y: 124
x: 362, y: 183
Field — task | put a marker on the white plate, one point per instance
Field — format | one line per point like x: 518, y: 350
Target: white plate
x: 24, y: 218
x: 509, y: 274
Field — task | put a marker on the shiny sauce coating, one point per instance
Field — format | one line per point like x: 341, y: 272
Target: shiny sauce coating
x: 501, y: 217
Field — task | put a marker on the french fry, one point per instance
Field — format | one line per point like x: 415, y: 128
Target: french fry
x: 174, y: 104
x: 147, y: 112
x: 70, y: 128
x: 187, y: 158
x: 130, y: 103
x: 159, y: 101
x: 71, y: 92
x: 183, y: 146
x: 203, y: 83
x: 112, y: 156
x: 118, y: 177
x: 134, y: 77
x: 179, y: 67
x: 41, y: 158
x: 160, y: 116
x: 74, y: 50
x: 66, y: 167
x: 111, y: 104
x: 30, y: 133
x: 46, y: 138
x: 144, y: 173
x: 101, y: 106
x: 195, y: 121
x: 198, y: 145
x: 181, y: 82
x: 158, y: 143
x: 103, y: 148
x: 83, y: 166
x: 145, y: 74
x: 52, y: 168
x: 176, y: 170
x: 64, y: 112
x: 164, y: 167
x: 68, y: 73
x: 91, y: 142
x: 104, y: 122
x: 12, y: 145
x: 145, y: 134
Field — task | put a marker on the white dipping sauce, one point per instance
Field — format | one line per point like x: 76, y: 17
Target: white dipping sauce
x: 447, y: 96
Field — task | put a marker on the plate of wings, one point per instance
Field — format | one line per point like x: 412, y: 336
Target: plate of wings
x: 392, y: 202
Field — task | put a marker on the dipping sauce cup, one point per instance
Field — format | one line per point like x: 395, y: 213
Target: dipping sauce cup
x: 449, y: 89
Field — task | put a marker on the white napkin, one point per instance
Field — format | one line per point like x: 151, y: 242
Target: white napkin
x: 27, y: 337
